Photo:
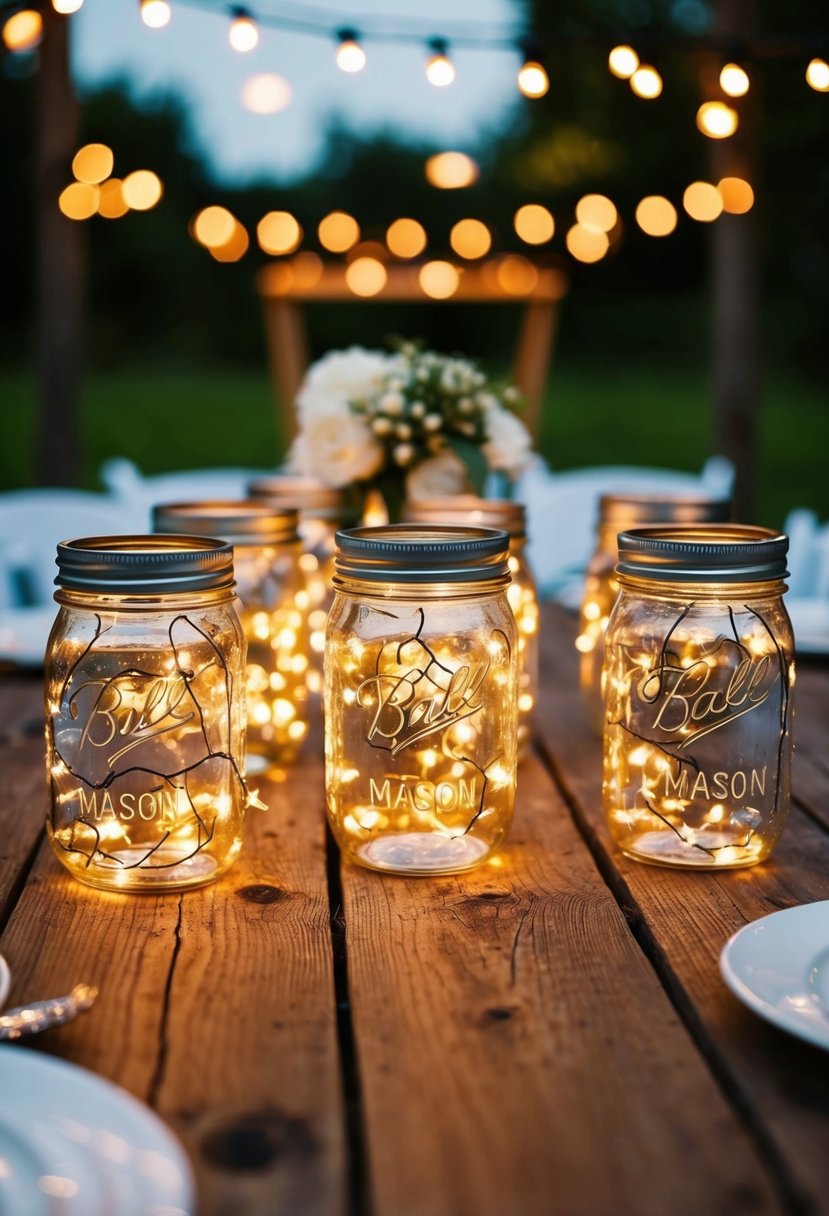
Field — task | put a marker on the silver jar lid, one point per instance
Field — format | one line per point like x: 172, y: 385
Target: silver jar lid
x: 624, y: 511
x: 144, y: 565
x: 312, y: 497
x: 712, y: 553
x: 242, y: 522
x: 422, y: 553
x: 502, y: 513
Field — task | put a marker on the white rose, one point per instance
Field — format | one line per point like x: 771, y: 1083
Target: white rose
x: 509, y: 444
x: 437, y: 476
x: 340, y: 377
x: 337, y: 446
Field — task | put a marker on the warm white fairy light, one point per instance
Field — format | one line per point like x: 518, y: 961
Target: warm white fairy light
x: 734, y: 80
x: 349, y: 55
x: 817, y: 75
x: 155, y: 13
x: 533, y: 80
x: 623, y: 61
x: 440, y: 70
x: 243, y: 34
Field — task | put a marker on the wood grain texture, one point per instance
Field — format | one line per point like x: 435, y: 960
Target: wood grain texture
x: 517, y: 1054
x: 216, y: 1006
x: 684, y: 919
x: 22, y: 814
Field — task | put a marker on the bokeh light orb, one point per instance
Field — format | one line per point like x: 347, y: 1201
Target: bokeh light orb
x: 406, y: 238
x: 278, y: 232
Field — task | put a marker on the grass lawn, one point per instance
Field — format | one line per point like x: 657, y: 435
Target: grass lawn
x: 649, y: 415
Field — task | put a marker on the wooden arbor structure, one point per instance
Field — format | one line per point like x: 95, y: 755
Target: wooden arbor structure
x: 285, y: 288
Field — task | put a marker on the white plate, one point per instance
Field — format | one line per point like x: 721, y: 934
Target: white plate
x: 24, y: 633
x: 810, y: 622
x: 5, y: 981
x: 779, y: 966
x: 74, y: 1144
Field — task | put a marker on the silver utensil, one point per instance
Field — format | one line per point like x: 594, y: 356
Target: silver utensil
x: 42, y: 1015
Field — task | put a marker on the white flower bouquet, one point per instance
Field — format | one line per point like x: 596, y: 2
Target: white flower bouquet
x: 413, y: 423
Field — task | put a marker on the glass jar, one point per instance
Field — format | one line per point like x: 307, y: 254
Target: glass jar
x: 322, y: 510
x: 699, y: 669
x: 274, y: 606
x: 522, y: 592
x: 421, y: 683
x: 145, y: 712
x: 619, y: 513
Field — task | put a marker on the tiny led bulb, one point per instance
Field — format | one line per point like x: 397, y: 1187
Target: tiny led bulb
x: 349, y: 55
x: 243, y: 34
x: 734, y: 80
x: 646, y: 82
x: 623, y: 61
x: 533, y: 80
x: 817, y: 75
x: 155, y: 13
x: 440, y: 70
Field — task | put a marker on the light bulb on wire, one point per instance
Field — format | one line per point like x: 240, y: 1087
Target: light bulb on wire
x: 817, y: 75
x: 440, y: 70
x: 155, y: 13
x: 646, y: 82
x: 243, y: 34
x: 349, y: 55
x: 734, y: 80
x: 533, y: 80
x: 23, y: 30
x: 623, y: 62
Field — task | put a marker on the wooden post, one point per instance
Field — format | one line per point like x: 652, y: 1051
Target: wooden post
x: 735, y: 338
x: 60, y: 253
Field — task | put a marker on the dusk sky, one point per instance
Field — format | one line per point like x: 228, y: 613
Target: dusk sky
x: 192, y: 56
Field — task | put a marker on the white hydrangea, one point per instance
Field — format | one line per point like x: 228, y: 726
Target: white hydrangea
x: 342, y: 377
x: 336, y: 446
x: 509, y: 444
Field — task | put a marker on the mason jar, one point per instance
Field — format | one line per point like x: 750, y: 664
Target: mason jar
x: 421, y: 697
x: 522, y: 593
x: 322, y: 510
x: 619, y: 513
x: 145, y: 718
x: 273, y: 605
x: 699, y: 671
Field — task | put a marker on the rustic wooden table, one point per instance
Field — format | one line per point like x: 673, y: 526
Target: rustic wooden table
x: 548, y: 1034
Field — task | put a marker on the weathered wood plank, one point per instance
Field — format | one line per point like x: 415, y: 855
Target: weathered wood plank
x: 517, y: 1054
x: 684, y: 919
x: 22, y: 814
x: 217, y: 1006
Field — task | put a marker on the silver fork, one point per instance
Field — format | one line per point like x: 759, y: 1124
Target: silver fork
x: 42, y: 1015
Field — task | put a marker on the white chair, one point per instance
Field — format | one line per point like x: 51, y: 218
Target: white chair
x: 33, y: 521
x: 562, y: 510
x: 129, y: 486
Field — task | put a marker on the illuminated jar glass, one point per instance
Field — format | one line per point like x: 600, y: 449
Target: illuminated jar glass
x: 322, y: 510
x: 699, y: 671
x: 618, y: 513
x: 145, y: 724
x: 522, y: 592
x: 273, y: 607
x: 421, y: 684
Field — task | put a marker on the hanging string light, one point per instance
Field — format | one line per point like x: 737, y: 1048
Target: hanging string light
x: 155, y: 13
x: 817, y: 75
x: 623, y: 61
x: 646, y: 82
x: 717, y: 120
x: 23, y: 30
x: 533, y: 80
x: 734, y: 80
x: 243, y: 34
x: 349, y: 55
x: 440, y: 70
